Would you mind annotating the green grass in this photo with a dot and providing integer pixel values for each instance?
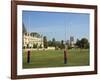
(55, 58)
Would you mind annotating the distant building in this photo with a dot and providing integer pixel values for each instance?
(72, 41)
(68, 42)
(31, 40)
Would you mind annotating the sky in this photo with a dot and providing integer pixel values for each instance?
(58, 25)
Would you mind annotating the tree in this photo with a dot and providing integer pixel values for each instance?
(49, 43)
(24, 29)
(45, 42)
(34, 45)
(62, 46)
(53, 42)
(78, 43)
(40, 46)
(58, 44)
(84, 43)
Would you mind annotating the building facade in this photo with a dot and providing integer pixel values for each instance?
(32, 41)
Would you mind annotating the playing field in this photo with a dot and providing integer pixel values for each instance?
(55, 58)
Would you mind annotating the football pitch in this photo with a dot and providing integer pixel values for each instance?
(55, 58)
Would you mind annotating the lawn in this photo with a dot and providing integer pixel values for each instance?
(55, 58)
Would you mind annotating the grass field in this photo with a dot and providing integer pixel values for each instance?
(55, 58)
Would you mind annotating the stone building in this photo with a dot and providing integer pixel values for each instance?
(32, 40)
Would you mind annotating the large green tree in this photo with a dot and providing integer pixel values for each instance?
(83, 43)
